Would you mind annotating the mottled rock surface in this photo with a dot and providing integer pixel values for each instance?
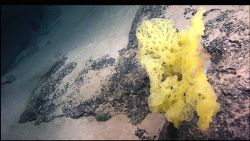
(127, 89)
(226, 39)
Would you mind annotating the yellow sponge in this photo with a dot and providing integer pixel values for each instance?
(175, 64)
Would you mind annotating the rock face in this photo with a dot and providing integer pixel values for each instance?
(41, 104)
(226, 39)
(229, 72)
(52, 99)
(126, 90)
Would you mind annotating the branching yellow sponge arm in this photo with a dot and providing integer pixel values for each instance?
(175, 65)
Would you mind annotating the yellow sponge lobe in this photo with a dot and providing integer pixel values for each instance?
(175, 64)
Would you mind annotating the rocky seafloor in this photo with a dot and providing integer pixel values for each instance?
(126, 90)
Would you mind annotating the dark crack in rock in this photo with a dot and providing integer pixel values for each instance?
(9, 79)
(168, 132)
(210, 11)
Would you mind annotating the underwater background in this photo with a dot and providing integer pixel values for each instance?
(71, 72)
